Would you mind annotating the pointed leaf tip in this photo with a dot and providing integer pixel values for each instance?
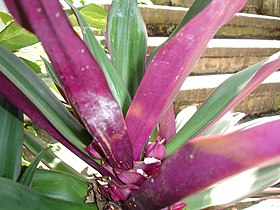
(27, 176)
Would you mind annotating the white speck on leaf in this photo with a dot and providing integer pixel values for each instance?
(152, 180)
(57, 14)
(119, 14)
(190, 37)
(39, 9)
(83, 50)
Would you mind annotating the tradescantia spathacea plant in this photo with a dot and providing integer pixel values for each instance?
(122, 114)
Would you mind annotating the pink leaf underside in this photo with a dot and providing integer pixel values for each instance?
(257, 79)
(82, 78)
(202, 163)
(156, 149)
(167, 126)
(170, 67)
(11, 92)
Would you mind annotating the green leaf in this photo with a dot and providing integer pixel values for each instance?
(14, 37)
(40, 95)
(32, 65)
(235, 188)
(94, 15)
(16, 196)
(60, 185)
(51, 72)
(5, 18)
(35, 145)
(11, 137)
(127, 42)
(27, 176)
(116, 84)
(224, 98)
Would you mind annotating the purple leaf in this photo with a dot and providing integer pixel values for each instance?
(82, 78)
(122, 193)
(207, 160)
(156, 149)
(93, 152)
(170, 67)
(18, 15)
(11, 92)
(131, 176)
(148, 164)
(167, 125)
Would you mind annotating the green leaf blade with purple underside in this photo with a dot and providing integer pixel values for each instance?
(28, 92)
(32, 91)
(24, 104)
(127, 42)
(223, 99)
(114, 80)
(207, 160)
(170, 67)
(82, 78)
